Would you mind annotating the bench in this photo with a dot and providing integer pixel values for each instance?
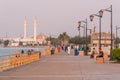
(101, 59)
(81, 53)
(105, 56)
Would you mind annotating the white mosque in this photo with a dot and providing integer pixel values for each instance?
(41, 38)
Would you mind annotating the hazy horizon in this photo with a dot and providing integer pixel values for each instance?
(54, 16)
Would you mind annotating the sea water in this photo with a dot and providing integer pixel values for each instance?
(9, 50)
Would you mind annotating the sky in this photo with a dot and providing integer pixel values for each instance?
(54, 16)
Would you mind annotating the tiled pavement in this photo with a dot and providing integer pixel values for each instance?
(64, 67)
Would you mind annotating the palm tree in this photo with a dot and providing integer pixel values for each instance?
(64, 38)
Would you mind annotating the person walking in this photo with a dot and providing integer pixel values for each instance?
(68, 50)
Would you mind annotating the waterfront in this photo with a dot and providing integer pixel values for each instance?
(64, 67)
(9, 50)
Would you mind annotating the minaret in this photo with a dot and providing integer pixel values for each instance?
(25, 27)
(35, 28)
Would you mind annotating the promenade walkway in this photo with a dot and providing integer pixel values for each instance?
(64, 67)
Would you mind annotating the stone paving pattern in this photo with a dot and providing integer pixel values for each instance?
(64, 67)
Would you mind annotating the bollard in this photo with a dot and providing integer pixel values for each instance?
(0, 66)
(99, 60)
(81, 53)
(105, 56)
(56, 50)
(48, 51)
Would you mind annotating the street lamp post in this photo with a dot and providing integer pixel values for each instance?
(84, 30)
(83, 34)
(100, 16)
(110, 10)
(90, 35)
(79, 24)
(86, 35)
(117, 28)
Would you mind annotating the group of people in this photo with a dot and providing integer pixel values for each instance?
(100, 54)
(28, 51)
(54, 48)
(76, 48)
(67, 49)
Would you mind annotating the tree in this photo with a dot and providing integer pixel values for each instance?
(64, 38)
(116, 54)
(80, 40)
(89, 39)
(6, 42)
(54, 41)
(76, 40)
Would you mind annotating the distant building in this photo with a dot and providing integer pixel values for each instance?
(105, 41)
(40, 39)
(34, 40)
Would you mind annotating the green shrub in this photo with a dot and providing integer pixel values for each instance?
(116, 54)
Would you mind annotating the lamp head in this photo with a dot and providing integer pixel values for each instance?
(79, 22)
(100, 13)
(91, 17)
